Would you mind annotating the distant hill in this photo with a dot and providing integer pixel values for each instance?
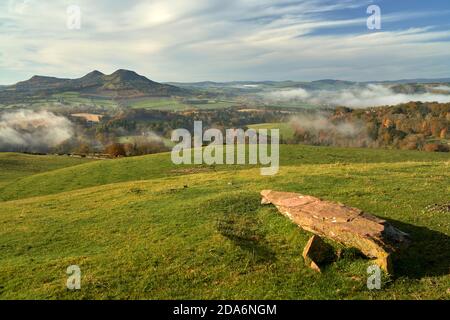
(411, 81)
(253, 88)
(248, 86)
(121, 84)
(126, 85)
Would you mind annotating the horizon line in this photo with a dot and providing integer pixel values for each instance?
(231, 81)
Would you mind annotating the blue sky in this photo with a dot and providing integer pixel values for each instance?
(185, 40)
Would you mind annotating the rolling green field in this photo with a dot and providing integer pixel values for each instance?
(62, 100)
(15, 166)
(173, 104)
(144, 228)
(75, 99)
(158, 104)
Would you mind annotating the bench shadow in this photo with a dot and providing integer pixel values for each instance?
(427, 255)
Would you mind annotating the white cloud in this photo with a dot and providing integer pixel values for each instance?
(442, 88)
(370, 96)
(33, 130)
(183, 40)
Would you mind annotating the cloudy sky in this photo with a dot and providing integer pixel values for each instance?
(195, 40)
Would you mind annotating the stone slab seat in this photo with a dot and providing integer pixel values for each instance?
(374, 237)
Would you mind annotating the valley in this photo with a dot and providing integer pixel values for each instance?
(87, 179)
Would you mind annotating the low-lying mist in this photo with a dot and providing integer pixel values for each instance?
(33, 131)
(372, 95)
(319, 128)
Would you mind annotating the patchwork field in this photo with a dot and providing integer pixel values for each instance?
(144, 228)
(173, 104)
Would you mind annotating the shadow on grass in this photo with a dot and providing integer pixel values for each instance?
(427, 255)
(259, 249)
(244, 232)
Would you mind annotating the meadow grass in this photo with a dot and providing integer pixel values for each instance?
(142, 228)
(18, 165)
(160, 165)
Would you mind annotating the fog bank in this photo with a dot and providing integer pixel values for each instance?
(372, 95)
(33, 131)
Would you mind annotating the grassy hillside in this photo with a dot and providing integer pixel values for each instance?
(143, 228)
(160, 166)
(15, 165)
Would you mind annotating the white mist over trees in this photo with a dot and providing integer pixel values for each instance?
(33, 131)
(372, 95)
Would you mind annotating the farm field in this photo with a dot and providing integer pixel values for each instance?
(172, 104)
(158, 104)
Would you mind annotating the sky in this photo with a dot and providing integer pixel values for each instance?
(217, 40)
